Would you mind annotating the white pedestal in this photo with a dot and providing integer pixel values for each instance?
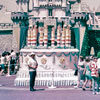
(61, 60)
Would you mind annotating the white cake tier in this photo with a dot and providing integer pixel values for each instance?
(49, 50)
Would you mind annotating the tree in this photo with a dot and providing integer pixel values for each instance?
(85, 51)
(98, 54)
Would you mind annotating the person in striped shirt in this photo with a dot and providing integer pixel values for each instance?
(94, 74)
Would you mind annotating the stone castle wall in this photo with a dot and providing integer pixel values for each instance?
(8, 40)
(5, 42)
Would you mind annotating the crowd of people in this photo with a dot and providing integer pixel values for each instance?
(9, 63)
(89, 72)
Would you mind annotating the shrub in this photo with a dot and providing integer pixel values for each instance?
(98, 54)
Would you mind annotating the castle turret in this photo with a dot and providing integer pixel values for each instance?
(23, 5)
(30, 5)
(63, 3)
(80, 12)
(36, 3)
(20, 22)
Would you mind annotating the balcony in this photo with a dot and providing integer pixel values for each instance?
(94, 27)
(43, 3)
(19, 15)
(79, 15)
(58, 3)
(6, 26)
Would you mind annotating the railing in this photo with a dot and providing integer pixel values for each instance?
(57, 78)
(47, 78)
(42, 3)
(15, 15)
(94, 27)
(7, 26)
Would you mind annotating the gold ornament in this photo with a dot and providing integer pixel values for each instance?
(43, 60)
(62, 60)
(75, 59)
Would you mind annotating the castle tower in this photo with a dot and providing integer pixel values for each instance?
(20, 23)
(30, 5)
(36, 3)
(20, 27)
(23, 5)
(63, 3)
(79, 13)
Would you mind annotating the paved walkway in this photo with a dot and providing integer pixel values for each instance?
(10, 92)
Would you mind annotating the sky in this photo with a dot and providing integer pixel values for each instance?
(93, 3)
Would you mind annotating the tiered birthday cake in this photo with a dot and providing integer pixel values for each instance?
(56, 62)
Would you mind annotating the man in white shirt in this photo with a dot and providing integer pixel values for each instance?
(32, 64)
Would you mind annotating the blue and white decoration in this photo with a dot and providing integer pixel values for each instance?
(54, 67)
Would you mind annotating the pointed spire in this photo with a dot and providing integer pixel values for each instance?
(30, 4)
(98, 9)
(93, 9)
(20, 9)
(79, 7)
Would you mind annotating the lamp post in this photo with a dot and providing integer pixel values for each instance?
(92, 51)
(52, 80)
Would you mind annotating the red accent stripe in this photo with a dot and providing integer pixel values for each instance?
(33, 40)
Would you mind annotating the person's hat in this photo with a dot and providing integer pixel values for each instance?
(91, 57)
(32, 54)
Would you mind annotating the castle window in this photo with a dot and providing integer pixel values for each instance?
(49, 12)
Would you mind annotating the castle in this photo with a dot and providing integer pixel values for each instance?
(15, 19)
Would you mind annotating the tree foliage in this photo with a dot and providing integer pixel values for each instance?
(98, 54)
(91, 39)
(85, 51)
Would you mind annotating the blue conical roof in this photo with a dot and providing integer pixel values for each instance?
(80, 7)
(98, 9)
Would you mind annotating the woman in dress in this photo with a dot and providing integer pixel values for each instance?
(87, 73)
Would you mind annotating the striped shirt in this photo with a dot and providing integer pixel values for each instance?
(94, 69)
